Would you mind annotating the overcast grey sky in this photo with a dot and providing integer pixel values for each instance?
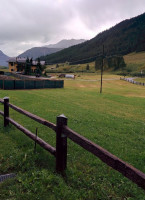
(29, 23)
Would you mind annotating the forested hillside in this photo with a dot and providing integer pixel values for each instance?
(126, 37)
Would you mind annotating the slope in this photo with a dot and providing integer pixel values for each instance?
(66, 43)
(126, 37)
(3, 59)
(36, 52)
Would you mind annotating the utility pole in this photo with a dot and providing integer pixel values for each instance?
(102, 71)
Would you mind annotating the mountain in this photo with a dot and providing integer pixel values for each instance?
(3, 59)
(36, 52)
(126, 37)
(65, 43)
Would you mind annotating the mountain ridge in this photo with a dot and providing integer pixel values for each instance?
(36, 52)
(65, 43)
(125, 37)
(3, 59)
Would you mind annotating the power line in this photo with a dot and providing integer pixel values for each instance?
(102, 70)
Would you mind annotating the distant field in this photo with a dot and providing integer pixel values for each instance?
(64, 67)
(114, 119)
(136, 58)
(4, 69)
(135, 61)
(142, 80)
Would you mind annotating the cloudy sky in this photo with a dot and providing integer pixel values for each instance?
(29, 23)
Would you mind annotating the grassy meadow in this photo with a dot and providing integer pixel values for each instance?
(68, 68)
(142, 80)
(136, 58)
(5, 69)
(114, 120)
(135, 61)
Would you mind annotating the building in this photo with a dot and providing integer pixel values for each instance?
(17, 64)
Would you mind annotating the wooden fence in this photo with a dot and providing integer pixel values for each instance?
(60, 152)
(132, 81)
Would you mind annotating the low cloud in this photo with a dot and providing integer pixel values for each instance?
(25, 24)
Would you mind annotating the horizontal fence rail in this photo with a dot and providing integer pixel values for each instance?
(132, 81)
(60, 152)
(127, 170)
(34, 117)
(38, 140)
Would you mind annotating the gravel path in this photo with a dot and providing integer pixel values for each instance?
(90, 80)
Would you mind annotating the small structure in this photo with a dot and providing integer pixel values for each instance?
(70, 76)
(67, 76)
(17, 64)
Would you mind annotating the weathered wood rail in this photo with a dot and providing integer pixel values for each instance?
(60, 152)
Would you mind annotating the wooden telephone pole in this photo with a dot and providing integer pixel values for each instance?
(102, 66)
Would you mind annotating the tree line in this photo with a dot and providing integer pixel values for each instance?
(29, 64)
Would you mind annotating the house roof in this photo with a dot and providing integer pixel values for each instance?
(23, 60)
(17, 59)
(12, 60)
(35, 62)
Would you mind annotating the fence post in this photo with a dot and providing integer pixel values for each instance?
(61, 145)
(6, 111)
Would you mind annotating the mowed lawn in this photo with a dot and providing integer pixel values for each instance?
(114, 120)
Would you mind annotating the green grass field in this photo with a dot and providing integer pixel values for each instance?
(142, 80)
(114, 120)
(135, 61)
(67, 68)
(4, 69)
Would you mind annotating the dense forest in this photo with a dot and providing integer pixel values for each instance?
(126, 37)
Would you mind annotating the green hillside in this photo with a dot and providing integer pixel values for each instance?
(126, 37)
(135, 61)
(136, 58)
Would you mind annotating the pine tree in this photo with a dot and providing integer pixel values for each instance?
(39, 68)
(98, 63)
(57, 65)
(31, 61)
(122, 64)
(27, 67)
(87, 67)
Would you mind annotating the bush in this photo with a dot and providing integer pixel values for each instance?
(87, 67)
